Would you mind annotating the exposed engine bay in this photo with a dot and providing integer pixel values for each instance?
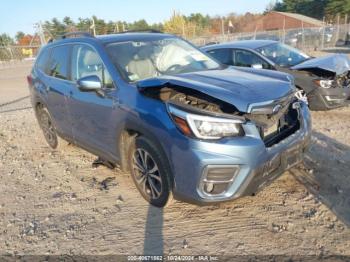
(273, 127)
(343, 80)
(192, 98)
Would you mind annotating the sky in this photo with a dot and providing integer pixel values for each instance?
(20, 15)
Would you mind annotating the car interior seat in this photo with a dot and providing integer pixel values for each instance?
(141, 66)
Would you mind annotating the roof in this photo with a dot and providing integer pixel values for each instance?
(248, 44)
(134, 36)
(120, 37)
(303, 18)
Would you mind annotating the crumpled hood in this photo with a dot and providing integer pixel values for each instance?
(336, 63)
(237, 87)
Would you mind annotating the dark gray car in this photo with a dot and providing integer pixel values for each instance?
(324, 81)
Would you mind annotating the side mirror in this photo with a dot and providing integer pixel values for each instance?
(89, 83)
(257, 66)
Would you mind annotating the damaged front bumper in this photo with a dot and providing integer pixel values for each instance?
(208, 172)
(328, 98)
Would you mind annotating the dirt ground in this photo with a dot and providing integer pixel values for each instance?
(54, 202)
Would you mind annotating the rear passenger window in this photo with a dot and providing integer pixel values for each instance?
(248, 59)
(41, 62)
(58, 66)
(222, 55)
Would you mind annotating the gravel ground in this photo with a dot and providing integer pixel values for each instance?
(54, 202)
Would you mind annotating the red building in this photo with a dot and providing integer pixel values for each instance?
(282, 20)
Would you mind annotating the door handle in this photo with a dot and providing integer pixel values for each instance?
(115, 102)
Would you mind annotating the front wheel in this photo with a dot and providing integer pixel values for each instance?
(150, 172)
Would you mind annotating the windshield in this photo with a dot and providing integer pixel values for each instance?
(137, 60)
(282, 54)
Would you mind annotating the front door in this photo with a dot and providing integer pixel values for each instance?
(92, 111)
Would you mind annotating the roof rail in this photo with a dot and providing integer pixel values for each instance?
(141, 31)
(71, 35)
(76, 34)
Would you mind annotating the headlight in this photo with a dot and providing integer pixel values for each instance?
(324, 83)
(205, 127)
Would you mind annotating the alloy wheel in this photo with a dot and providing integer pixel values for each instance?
(147, 174)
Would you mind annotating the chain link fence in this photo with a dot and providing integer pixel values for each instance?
(302, 38)
(17, 55)
(316, 38)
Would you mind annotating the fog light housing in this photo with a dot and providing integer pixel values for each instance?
(208, 187)
(217, 179)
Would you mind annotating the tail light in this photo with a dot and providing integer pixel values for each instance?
(30, 80)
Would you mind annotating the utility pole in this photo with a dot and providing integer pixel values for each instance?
(93, 27)
(222, 26)
(284, 29)
(303, 35)
(116, 28)
(338, 27)
(323, 33)
(183, 29)
(40, 32)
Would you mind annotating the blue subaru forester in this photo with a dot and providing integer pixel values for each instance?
(181, 123)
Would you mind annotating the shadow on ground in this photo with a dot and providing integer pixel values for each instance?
(153, 243)
(327, 174)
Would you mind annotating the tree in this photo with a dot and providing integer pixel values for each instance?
(67, 21)
(26, 40)
(19, 36)
(335, 7)
(55, 27)
(83, 24)
(312, 8)
(6, 40)
(100, 26)
(178, 25)
(139, 25)
(199, 19)
(69, 24)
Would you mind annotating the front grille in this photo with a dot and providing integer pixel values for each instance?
(287, 125)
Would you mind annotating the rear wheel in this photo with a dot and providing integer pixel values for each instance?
(46, 125)
(150, 172)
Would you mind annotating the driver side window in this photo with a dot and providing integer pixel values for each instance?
(87, 62)
(248, 59)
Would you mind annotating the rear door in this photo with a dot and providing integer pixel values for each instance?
(58, 88)
(92, 111)
(223, 55)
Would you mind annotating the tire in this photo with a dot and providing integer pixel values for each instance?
(150, 172)
(46, 125)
